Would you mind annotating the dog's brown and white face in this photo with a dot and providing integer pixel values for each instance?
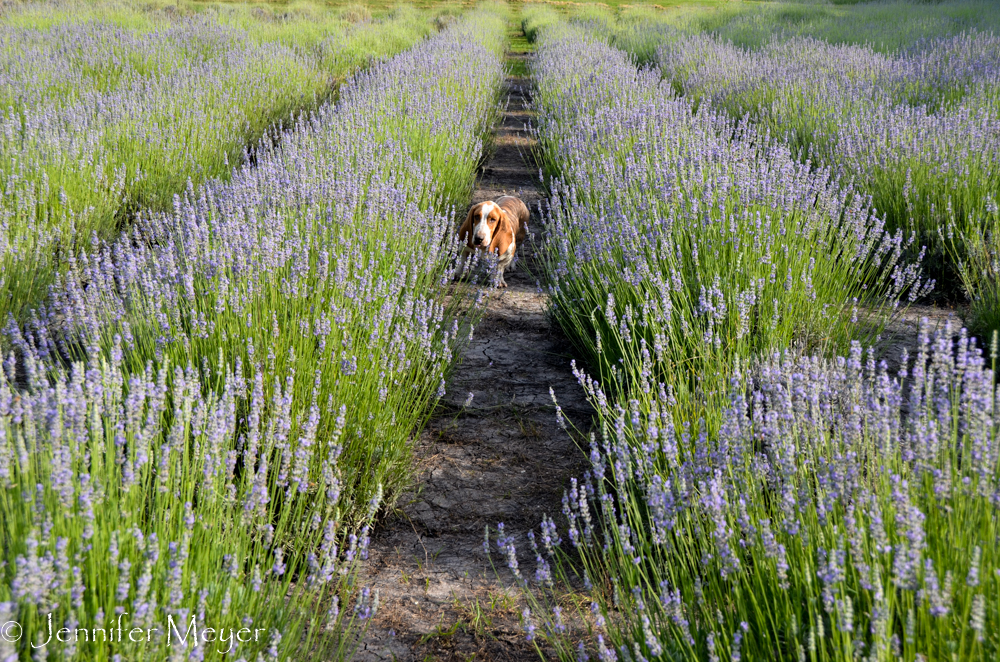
(482, 225)
(494, 229)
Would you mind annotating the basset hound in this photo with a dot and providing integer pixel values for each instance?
(496, 227)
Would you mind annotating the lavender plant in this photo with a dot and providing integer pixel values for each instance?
(537, 16)
(978, 262)
(839, 513)
(886, 26)
(691, 238)
(327, 260)
(915, 129)
(243, 378)
(101, 120)
(822, 509)
(141, 520)
(361, 44)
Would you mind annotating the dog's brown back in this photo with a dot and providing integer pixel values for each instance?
(518, 213)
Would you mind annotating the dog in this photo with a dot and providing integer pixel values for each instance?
(496, 227)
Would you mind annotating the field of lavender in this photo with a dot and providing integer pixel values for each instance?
(729, 230)
(109, 112)
(915, 128)
(219, 350)
(242, 368)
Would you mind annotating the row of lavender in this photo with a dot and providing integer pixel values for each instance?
(917, 129)
(809, 509)
(246, 374)
(695, 235)
(99, 120)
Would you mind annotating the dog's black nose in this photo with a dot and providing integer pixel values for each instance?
(477, 241)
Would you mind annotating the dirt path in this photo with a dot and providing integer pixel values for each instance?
(903, 332)
(503, 459)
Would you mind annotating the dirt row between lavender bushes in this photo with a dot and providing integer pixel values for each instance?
(501, 459)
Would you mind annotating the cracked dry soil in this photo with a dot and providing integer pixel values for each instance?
(502, 459)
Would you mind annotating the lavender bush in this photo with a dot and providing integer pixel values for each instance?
(361, 44)
(100, 120)
(821, 509)
(886, 26)
(326, 260)
(244, 376)
(537, 16)
(977, 255)
(691, 238)
(916, 129)
(838, 513)
(134, 501)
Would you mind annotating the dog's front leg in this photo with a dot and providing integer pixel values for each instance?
(502, 264)
(500, 281)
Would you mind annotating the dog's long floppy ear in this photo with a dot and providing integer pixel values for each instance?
(465, 232)
(503, 236)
